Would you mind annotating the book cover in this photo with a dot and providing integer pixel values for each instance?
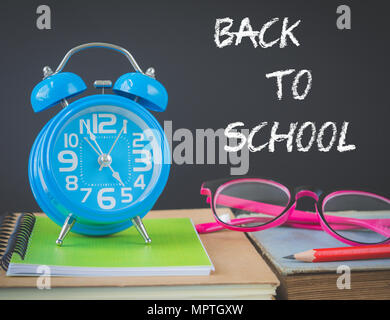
(176, 250)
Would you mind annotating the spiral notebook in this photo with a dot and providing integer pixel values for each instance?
(28, 242)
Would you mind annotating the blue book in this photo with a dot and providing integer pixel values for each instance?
(304, 280)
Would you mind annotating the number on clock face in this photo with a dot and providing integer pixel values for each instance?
(104, 160)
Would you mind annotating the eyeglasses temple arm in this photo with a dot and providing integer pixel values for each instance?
(296, 216)
(215, 226)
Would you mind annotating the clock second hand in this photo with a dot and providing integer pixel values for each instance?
(116, 140)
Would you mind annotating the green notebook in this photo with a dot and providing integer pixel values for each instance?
(175, 250)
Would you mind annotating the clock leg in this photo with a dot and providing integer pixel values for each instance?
(141, 228)
(68, 224)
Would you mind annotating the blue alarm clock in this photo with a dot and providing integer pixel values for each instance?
(100, 164)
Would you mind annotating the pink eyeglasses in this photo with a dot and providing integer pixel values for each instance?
(254, 204)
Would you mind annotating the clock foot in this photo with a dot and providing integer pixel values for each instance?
(141, 228)
(68, 224)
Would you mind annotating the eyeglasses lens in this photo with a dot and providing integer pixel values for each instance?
(250, 203)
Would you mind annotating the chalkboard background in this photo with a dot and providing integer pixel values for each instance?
(209, 87)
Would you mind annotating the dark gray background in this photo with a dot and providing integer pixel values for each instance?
(209, 87)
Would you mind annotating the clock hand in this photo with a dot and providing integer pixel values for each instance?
(115, 174)
(116, 140)
(93, 138)
(97, 152)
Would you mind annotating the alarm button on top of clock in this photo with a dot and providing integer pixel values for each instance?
(102, 84)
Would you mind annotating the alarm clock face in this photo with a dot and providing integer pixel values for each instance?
(105, 158)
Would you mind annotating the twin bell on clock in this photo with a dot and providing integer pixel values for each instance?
(99, 165)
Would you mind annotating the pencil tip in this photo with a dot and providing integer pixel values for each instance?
(289, 257)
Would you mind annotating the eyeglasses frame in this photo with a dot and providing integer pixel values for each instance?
(211, 188)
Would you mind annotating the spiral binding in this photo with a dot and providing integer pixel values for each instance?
(15, 232)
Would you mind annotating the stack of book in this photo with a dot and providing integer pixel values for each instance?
(369, 279)
(176, 265)
(179, 264)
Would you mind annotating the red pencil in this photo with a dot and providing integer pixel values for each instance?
(377, 251)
